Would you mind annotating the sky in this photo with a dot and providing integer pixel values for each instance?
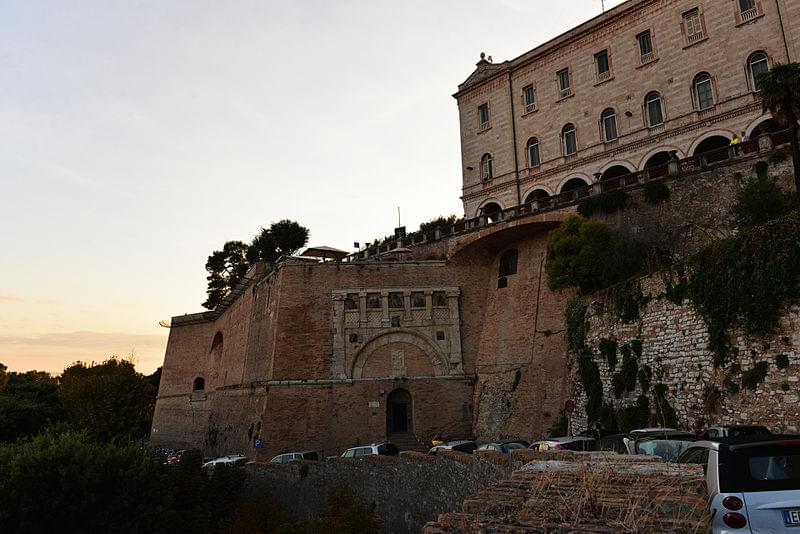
(138, 136)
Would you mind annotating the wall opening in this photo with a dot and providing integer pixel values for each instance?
(199, 384)
(398, 412)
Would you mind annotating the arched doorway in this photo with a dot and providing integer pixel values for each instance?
(715, 148)
(491, 211)
(398, 412)
(611, 177)
(657, 164)
(574, 188)
(769, 126)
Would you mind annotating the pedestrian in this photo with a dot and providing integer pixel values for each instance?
(735, 144)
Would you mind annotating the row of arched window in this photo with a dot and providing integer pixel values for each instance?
(653, 110)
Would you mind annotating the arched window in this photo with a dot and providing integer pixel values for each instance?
(533, 152)
(216, 345)
(609, 121)
(508, 262)
(703, 91)
(199, 384)
(655, 112)
(487, 167)
(758, 65)
(569, 139)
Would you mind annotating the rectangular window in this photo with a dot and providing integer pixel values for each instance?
(533, 155)
(374, 301)
(529, 98)
(483, 116)
(396, 301)
(645, 46)
(603, 66)
(746, 5)
(610, 126)
(563, 83)
(705, 94)
(351, 302)
(417, 299)
(570, 142)
(693, 25)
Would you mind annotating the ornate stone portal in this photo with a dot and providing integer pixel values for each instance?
(396, 332)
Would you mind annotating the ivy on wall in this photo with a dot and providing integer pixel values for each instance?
(609, 202)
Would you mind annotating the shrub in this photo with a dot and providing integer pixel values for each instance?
(656, 192)
(665, 413)
(609, 202)
(592, 385)
(635, 416)
(782, 361)
(586, 254)
(608, 348)
(761, 200)
(625, 380)
(575, 318)
(753, 377)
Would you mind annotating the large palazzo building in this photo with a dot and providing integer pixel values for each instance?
(617, 94)
(456, 333)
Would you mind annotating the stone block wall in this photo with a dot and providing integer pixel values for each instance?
(406, 491)
(675, 347)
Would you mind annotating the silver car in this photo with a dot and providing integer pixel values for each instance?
(753, 482)
(376, 449)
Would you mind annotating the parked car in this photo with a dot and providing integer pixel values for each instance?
(574, 443)
(174, 457)
(667, 443)
(383, 449)
(289, 457)
(460, 445)
(598, 433)
(231, 459)
(753, 482)
(715, 432)
(504, 446)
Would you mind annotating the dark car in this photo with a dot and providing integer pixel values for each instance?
(505, 446)
(599, 433)
(733, 431)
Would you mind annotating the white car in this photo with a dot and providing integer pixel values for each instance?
(231, 459)
(383, 449)
(753, 482)
(291, 457)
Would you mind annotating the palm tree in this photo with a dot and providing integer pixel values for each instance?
(780, 93)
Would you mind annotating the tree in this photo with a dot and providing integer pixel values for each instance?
(761, 200)
(282, 238)
(3, 376)
(28, 403)
(780, 95)
(225, 268)
(111, 401)
(585, 253)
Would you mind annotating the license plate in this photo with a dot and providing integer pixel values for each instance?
(791, 517)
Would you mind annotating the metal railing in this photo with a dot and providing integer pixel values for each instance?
(750, 14)
(674, 169)
(648, 57)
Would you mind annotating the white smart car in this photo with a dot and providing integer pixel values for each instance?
(753, 482)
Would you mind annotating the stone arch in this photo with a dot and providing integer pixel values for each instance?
(655, 151)
(199, 384)
(217, 343)
(536, 193)
(438, 360)
(566, 182)
(708, 135)
(617, 163)
(762, 120)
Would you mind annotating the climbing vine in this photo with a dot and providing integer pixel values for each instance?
(626, 300)
(747, 280)
(609, 202)
(608, 349)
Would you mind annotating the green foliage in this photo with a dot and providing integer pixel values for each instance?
(608, 349)
(753, 377)
(584, 253)
(665, 413)
(625, 379)
(636, 416)
(676, 284)
(782, 361)
(28, 403)
(590, 378)
(747, 280)
(609, 202)
(69, 482)
(3, 376)
(577, 326)
(761, 200)
(228, 266)
(712, 396)
(433, 224)
(111, 401)
(780, 94)
(225, 268)
(636, 347)
(656, 192)
(560, 427)
(626, 300)
(645, 378)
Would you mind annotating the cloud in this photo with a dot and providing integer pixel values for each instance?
(86, 339)
(10, 297)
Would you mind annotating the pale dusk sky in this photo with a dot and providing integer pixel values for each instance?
(137, 136)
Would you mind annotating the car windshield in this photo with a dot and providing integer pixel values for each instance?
(668, 449)
(764, 468)
(515, 445)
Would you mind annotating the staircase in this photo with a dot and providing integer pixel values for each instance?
(407, 441)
